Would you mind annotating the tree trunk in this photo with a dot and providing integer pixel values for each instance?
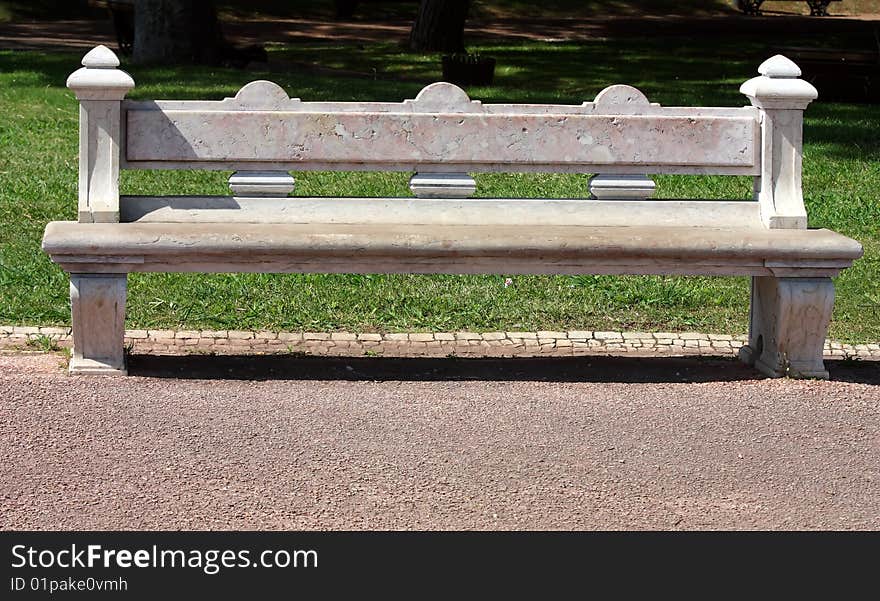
(439, 26)
(176, 31)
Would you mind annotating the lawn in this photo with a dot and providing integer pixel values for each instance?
(38, 164)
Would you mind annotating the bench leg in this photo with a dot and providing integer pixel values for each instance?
(97, 304)
(788, 324)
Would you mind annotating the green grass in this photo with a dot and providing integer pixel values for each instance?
(38, 164)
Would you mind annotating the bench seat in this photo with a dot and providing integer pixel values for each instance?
(420, 248)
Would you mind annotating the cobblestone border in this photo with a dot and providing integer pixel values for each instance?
(497, 344)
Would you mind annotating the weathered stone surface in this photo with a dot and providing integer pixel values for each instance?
(522, 335)
(608, 335)
(693, 336)
(468, 336)
(636, 336)
(100, 88)
(343, 248)
(410, 141)
(239, 335)
(551, 334)
(442, 126)
(98, 316)
(782, 97)
(161, 334)
(307, 336)
(789, 321)
(215, 334)
(50, 331)
(343, 336)
(370, 337)
(439, 211)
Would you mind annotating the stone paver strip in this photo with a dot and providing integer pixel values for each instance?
(580, 335)
(472, 344)
(693, 336)
(239, 335)
(55, 331)
(211, 334)
(160, 334)
(343, 336)
(467, 336)
(607, 335)
(550, 334)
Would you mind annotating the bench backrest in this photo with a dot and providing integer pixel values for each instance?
(443, 135)
(441, 129)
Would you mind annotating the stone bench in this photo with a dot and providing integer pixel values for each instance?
(442, 136)
(818, 8)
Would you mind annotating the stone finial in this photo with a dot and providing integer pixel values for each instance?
(779, 86)
(779, 67)
(99, 78)
(100, 57)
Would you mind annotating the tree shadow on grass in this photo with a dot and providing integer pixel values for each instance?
(437, 369)
(848, 131)
(37, 70)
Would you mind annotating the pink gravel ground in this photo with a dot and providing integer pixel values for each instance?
(366, 443)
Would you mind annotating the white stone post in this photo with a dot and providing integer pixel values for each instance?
(100, 87)
(97, 301)
(97, 304)
(789, 317)
(788, 324)
(782, 98)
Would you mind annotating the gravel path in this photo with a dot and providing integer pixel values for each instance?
(82, 34)
(346, 443)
